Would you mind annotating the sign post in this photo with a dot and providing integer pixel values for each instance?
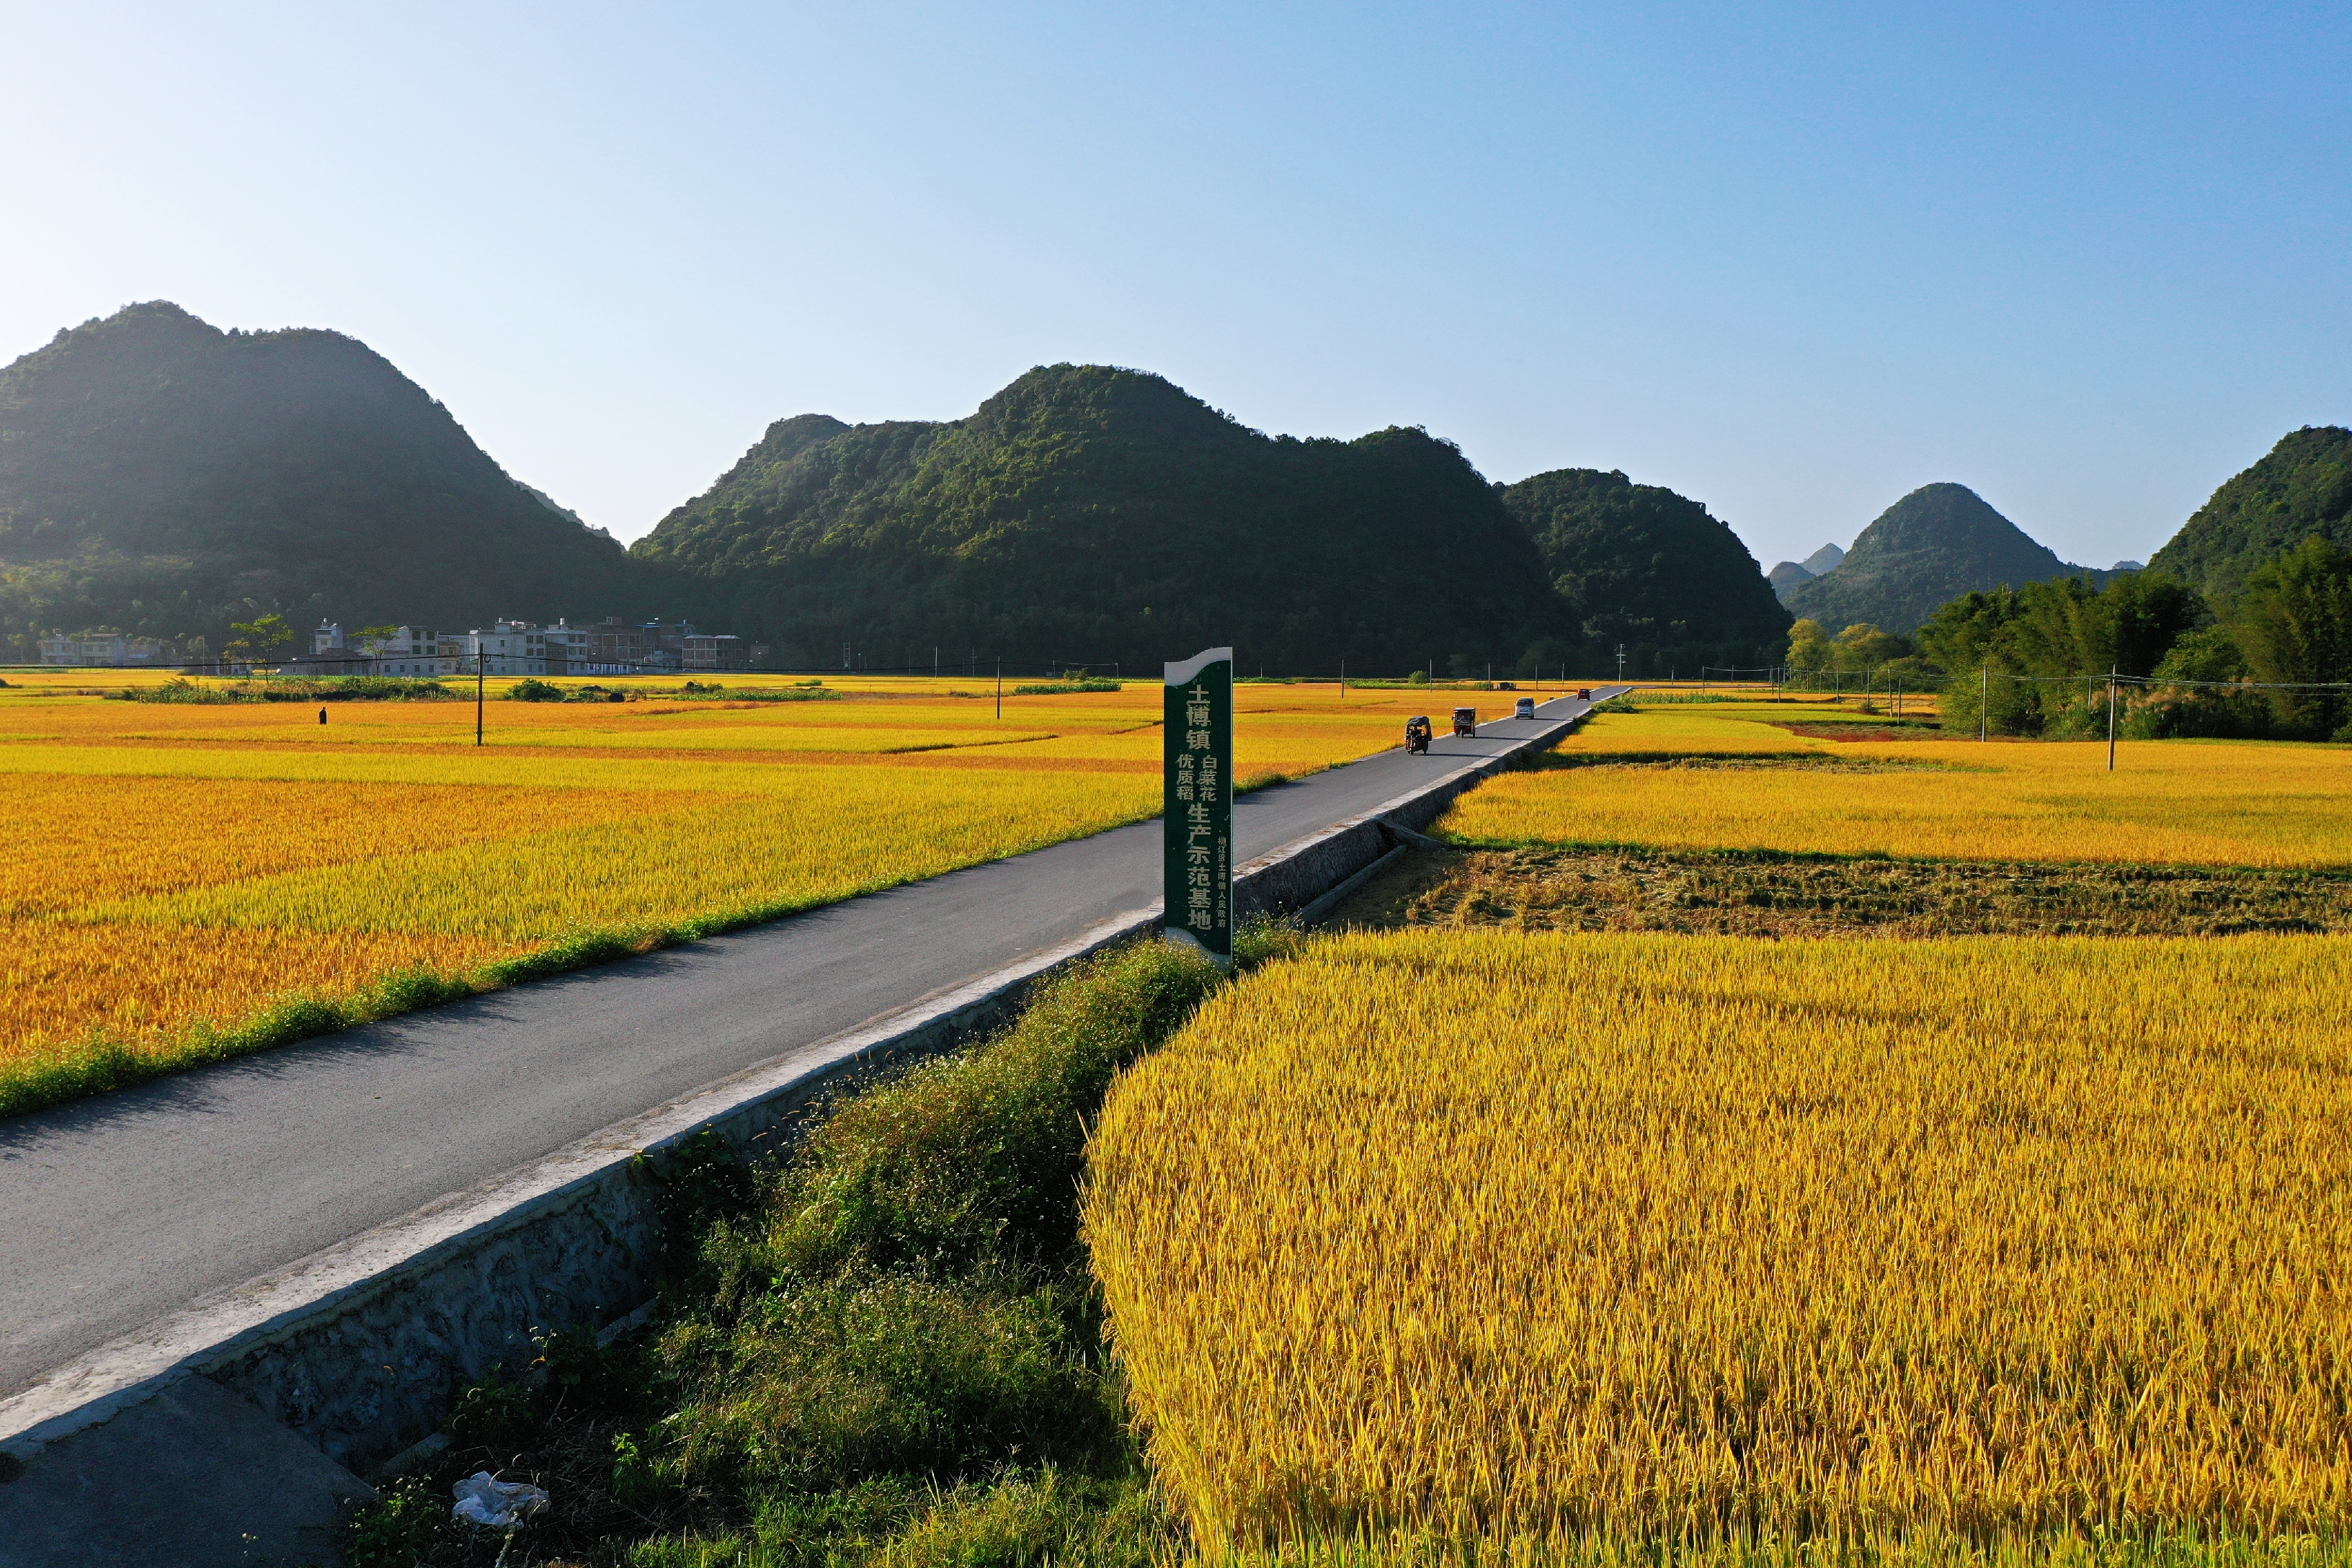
(1199, 822)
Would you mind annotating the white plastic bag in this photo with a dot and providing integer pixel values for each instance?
(501, 1505)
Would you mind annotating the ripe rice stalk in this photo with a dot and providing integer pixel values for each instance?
(1624, 1241)
(2171, 803)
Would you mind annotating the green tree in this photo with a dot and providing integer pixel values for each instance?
(1865, 646)
(2039, 656)
(2201, 690)
(2066, 627)
(257, 641)
(2294, 623)
(1809, 646)
(1968, 633)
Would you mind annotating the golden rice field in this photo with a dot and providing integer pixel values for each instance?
(177, 871)
(2218, 803)
(1654, 1242)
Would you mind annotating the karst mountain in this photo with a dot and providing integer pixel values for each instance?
(1937, 542)
(1649, 568)
(1106, 516)
(2302, 486)
(165, 477)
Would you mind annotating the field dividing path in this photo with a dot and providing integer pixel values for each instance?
(117, 1210)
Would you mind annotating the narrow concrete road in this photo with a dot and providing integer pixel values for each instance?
(117, 1210)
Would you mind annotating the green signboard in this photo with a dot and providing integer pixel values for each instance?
(1200, 819)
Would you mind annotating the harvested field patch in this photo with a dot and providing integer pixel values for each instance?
(1761, 894)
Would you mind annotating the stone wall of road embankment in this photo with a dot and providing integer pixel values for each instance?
(361, 1348)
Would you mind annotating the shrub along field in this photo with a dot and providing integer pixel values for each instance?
(1607, 1246)
(190, 879)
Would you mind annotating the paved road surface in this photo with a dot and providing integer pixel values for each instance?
(117, 1210)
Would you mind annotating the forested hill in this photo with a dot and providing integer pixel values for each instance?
(1096, 515)
(1650, 568)
(164, 477)
(1934, 544)
(2303, 487)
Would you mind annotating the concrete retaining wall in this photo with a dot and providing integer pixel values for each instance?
(361, 1348)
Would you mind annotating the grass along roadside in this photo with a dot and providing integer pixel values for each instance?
(885, 1348)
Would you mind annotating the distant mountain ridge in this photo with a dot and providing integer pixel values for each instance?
(1934, 544)
(1087, 512)
(165, 476)
(162, 476)
(1786, 575)
(2302, 486)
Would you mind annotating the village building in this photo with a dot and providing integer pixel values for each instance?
(512, 647)
(88, 647)
(405, 651)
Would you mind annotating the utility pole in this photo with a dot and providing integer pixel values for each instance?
(2111, 718)
(479, 682)
(1620, 664)
(999, 691)
(1984, 695)
(1343, 680)
(935, 662)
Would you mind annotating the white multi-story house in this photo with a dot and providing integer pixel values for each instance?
(519, 647)
(411, 651)
(408, 651)
(508, 647)
(715, 650)
(103, 647)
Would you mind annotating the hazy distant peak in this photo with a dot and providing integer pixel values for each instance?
(1823, 560)
(1937, 542)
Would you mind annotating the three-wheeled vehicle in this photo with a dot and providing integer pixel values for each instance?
(1416, 733)
(1465, 720)
(1524, 708)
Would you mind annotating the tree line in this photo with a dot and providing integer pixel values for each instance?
(2033, 661)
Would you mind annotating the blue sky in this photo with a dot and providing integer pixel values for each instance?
(2089, 261)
